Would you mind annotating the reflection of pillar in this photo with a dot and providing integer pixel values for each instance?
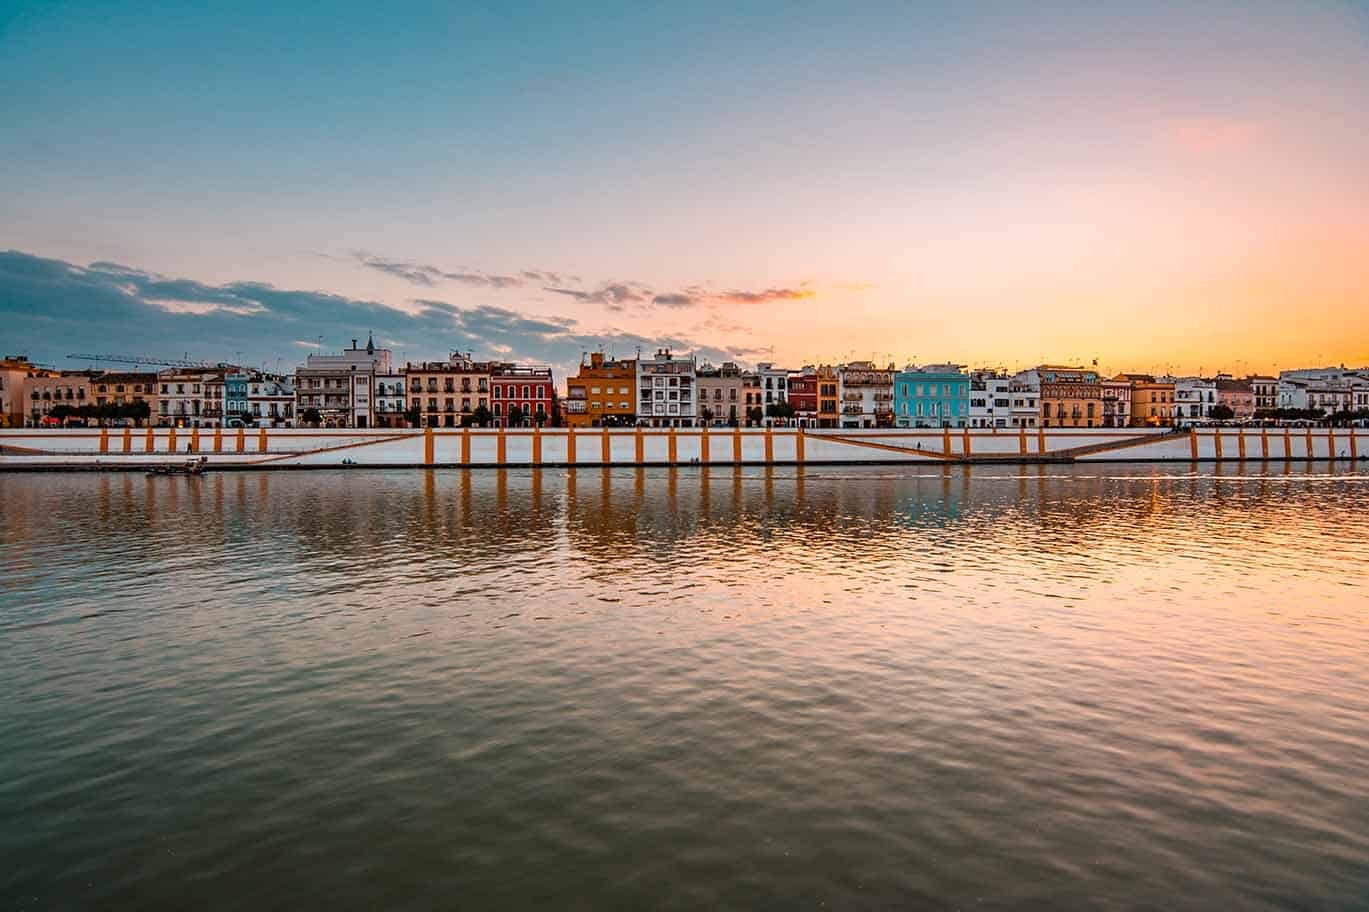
(605, 493)
(501, 492)
(263, 488)
(217, 482)
(672, 489)
(737, 488)
(639, 487)
(429, 495)
(535, 490)
(465, 498)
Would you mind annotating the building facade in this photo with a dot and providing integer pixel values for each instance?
(867, 395)
(1266, 391)
(1116, 402)
(667, 390)
(14, 402)
(1152, 401)
(991, 396)
(1070, 396)
(520, 396)
(124, 389)
(270, 401)
(829, 396)
(450, 393)
(49, 389)
(1237, 395)
(339, 387)
(721, 395)
(932, 396)
(802, 386)
(191, 397)
(603, 392)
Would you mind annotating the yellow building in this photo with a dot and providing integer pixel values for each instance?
(604, 392)
(14, 374)
(1071, 397)
(829, 396)
(1152, 401)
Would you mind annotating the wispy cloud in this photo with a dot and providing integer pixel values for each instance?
(429, 276)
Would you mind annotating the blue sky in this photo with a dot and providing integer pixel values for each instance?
(818, 180)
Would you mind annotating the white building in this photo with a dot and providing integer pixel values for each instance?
(271, 400)
(1116, 402)
(667, 390)
(190, 398)
(339, 387)
(867, 394)
(1327, 389)
(388, 397)
(774, 384)
(1194, 399)
(991, 395)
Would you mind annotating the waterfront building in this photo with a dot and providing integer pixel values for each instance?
(1152, 401)
(667, 390)
(1070, 396)
(390, 400)
(1327, 389)
(339, 386)
(829, 396)
(449, 393)
(991, 399)
(603, 392)
(932, 396)
(720, 392)
(124, 388)
(1237, 395)
(191, 397)
(867, 395)
(270, 400)
(48, 389)
(802, 388)
(1194, 399)
(1266, 390)
(773, 383)
(520, 395)
(1116, 402)
(14, 374)
(235, 405)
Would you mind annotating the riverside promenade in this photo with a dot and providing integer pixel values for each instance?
(260, 448)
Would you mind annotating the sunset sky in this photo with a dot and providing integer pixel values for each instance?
(1163, 187)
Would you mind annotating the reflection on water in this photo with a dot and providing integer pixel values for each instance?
(1097, 686)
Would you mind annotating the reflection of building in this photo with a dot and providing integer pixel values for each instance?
(666, 390)
(721, 400)
(603, 392)
(867, 395)
(932, 396)
(520, 396)
(339, 387)
(1070, 396)
(448, 393)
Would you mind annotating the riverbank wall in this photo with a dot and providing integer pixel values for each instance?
(133, 448)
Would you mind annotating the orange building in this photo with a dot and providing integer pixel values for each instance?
(604, 392)
(829, 396)
(1152, 401)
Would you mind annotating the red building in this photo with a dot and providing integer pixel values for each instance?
(527, 389)
(803, 396)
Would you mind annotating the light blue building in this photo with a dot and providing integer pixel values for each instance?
(934, 396)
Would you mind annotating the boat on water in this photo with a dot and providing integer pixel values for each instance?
(190, 467)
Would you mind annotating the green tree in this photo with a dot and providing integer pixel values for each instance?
(413, 416)
(311, 417)
(515, 416)
(783, 411)
(705, 414)
(1221, 412)
(139, 411)
(755, 415)
(481, 416)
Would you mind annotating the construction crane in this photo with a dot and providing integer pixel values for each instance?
(137, 360)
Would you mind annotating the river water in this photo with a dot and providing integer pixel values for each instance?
(1093, 687)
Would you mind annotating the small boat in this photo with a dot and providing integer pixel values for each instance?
(191, 467)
